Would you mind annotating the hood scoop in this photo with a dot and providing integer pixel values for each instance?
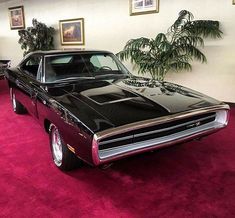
(108, 95)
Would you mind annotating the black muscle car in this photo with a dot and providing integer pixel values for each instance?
(96, 111)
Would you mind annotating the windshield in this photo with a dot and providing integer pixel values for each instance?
(82, 66)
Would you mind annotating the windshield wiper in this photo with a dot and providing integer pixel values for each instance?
(110, 74)
(74, 79)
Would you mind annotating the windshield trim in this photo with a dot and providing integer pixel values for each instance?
(73, 79)
(121, 67)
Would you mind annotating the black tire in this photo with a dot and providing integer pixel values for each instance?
(17, 107)
(63, 158)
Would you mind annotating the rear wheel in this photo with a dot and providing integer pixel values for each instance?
(62, 156)
(18, 108)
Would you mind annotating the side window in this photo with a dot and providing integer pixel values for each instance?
(32, 66)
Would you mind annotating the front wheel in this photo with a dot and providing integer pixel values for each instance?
(62, 156)
(18, 108)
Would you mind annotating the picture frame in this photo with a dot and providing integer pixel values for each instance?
(138, 7)
(72, 31)
(16, 17)
(233, 2)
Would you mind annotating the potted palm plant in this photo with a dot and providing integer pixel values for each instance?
(37, 37)
(173, 50)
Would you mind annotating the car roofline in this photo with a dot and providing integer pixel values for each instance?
(62, 52)
(66, 51)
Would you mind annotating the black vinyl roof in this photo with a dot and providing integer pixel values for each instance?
(67, 51)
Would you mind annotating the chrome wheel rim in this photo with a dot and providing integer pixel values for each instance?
(56, 147)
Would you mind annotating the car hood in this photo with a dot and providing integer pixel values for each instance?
(103, 104)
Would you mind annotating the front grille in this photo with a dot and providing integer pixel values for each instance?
(156, 132)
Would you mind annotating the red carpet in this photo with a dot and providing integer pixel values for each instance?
(195, 179)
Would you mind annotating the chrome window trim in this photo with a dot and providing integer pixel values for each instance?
(40, 68)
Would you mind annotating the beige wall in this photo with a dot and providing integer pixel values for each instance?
(108, 26)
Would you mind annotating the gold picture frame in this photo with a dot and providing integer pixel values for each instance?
(16, 16)
(72, 31)
(138, 7)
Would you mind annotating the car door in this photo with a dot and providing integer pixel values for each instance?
(26, 83)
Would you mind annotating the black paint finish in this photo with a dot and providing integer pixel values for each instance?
(81, 108)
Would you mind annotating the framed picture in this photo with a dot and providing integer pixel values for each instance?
(16, 16)
(233, 2)
(138, 7)
(72, 32)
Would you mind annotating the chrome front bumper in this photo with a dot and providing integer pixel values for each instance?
(111, 154)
